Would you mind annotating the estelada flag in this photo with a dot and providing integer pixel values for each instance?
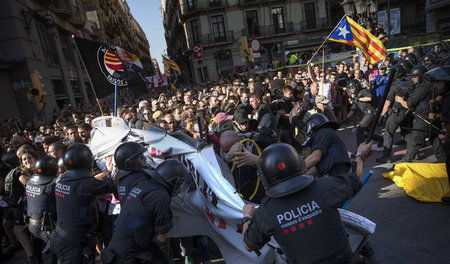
(170, 64)
(107, 64)
(351, 33)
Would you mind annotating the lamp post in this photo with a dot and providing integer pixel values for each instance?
(363, 11)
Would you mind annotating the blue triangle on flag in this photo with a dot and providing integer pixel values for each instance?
(343, 31)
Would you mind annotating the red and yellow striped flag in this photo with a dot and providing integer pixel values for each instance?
(351, 33)
(170, 64)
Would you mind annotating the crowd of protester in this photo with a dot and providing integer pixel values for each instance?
(268, 107)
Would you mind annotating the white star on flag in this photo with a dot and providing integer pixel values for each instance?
(343, 31)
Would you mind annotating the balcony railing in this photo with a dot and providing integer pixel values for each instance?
(186, 9)
(270, 30)
(62, 7)
(318, 24)
(78, 18)
(210, 39)
(256, 1)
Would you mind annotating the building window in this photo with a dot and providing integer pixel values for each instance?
(310, 15)
(224, 62)
(252, 23)
(420, 14)
(214, 3)
(59, 90)
(66, 46)
(195, 28)
(190, 4)
(76, 89)
(218, 28)
(47, 42)
(278, 19)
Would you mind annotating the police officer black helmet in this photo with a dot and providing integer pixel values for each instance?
(439, 74)
(412, 58)
(282, 170)
(445, 61)
(46, 166)
(400, 71)
(316, 121)
(78, 157)
(408, 65)
(61, 167)
(354, 84)
(442, 46)
(173, 176)
(419, 71)
(429, 59)
(125, 153)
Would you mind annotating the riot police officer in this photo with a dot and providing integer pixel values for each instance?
(399, 116)
(146, 218)
(418, 104)
(41, 204)
(430, 60)
(300, 211)
(129, 160)
(75, 206)
(440, 77)
(412, 58)
(329, 155)
(362, 101)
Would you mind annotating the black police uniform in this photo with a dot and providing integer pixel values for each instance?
(335, 158)
(146, 213)
(368, 111)
(75, 203)
(399, 116)
(265, 118)
(40, 192)
(306, 224)
(418, 102)
(125, 181)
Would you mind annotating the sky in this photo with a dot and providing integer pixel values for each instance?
(147, 13)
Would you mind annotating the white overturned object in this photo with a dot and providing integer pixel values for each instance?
(214, 209)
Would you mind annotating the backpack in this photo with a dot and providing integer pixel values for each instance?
(9, 180)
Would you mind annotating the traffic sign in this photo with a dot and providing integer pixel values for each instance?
(255, 44)
(198, 51)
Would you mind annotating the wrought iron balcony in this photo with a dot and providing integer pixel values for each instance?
(78, 18)
(312, 25)
(214, 38)
(194, 6)
(62, 8)
(270, 30)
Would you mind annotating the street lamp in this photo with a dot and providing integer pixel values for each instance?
(361, 7)
(349, 9)
(373, 6)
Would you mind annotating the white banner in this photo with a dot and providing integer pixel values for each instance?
(214, 209)
(395, 20)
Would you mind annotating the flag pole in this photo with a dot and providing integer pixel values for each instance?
(115, 97)
(323, 60)
(325, 40)
(88, 75)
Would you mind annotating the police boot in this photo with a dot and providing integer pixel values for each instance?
(386, 158)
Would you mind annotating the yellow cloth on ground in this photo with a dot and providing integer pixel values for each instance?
(426, 182)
